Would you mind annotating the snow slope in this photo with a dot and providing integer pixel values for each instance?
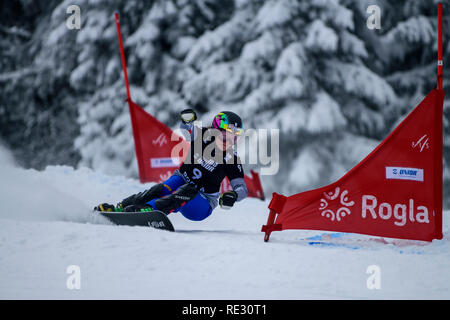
(46, 225)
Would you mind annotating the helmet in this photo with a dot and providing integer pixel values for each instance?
(228, 121)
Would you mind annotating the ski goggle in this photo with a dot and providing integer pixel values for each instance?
(221, 122)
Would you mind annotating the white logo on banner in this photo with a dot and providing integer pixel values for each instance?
(164, 162)
(422, 143)
(343, 200)
(402, 173)
(161, 140)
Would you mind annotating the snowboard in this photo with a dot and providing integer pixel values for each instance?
(155, 219)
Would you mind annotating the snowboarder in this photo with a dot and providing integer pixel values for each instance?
(194, 188)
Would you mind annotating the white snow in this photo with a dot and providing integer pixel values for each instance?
(46, 226)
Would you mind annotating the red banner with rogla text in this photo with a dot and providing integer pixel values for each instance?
(396, 191)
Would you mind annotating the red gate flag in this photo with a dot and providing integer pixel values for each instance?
(154, 142)
(396, 191)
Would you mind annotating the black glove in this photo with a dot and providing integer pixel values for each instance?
(187, 116)
(227, 199)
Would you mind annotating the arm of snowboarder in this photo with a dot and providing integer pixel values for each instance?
(239, 189)
(235, 174)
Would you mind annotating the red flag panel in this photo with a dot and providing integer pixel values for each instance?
(154, 142)
(396, 191)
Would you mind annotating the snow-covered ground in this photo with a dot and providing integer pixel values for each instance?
(46, 225)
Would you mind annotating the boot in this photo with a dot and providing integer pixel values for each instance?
(175, 200)
(141, 198)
